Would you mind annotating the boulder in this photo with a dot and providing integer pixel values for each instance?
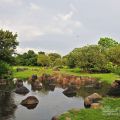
(50, 87)
(30, 102)
(21, 90)
(55, 118)
(70, 91)
(96, 106)
(36, 85)
(19, 83)
(94, 98)
(34, 77)
(115, 89)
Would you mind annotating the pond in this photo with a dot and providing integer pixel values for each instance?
(51, 103)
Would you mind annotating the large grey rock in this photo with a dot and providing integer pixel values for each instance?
(21, 90)
(70, 91)
(30, 102)
(36, 85)
(19, 83)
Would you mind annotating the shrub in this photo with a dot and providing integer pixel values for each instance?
(5, 70)
(117, 70)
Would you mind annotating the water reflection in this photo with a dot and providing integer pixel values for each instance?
(52, 102)
(7, 106)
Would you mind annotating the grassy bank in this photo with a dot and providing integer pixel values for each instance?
(31, 70)
(108, 77)
(110, 111)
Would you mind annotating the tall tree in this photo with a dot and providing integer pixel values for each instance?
(8, 43)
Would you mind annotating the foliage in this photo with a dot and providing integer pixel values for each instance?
(53, 57)
(117, 70)
(107, 42)
(5, 70)
(27, 59)
(88, 58)
(113, 54)
(43, 60)
(58, 62)
(8, 45)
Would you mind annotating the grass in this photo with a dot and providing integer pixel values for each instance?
(108, 77)
(31, 70)
(110, 111)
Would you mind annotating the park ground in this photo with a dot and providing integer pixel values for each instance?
(107, 77)
(111, 106)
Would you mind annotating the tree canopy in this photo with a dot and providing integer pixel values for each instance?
(8, 44)
(107, 42)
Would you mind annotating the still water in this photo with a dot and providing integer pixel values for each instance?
(51, 103)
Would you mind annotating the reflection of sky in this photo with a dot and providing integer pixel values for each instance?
(60, 25)
(50, 104)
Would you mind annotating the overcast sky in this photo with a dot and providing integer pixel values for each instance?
(60, 25)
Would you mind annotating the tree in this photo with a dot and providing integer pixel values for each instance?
(27, 59)
(107, 42)
(113, 55)
(41, 52)
(8, 45)
(89, 58)
(53, 57)
(43, 60)
(58, 62)
(71, 59)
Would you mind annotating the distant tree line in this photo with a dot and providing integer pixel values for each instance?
(42, 59)
(103, 57)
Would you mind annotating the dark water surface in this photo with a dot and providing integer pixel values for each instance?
(51, 103)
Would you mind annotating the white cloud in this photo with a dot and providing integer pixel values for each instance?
(64, 24)
(28, 29)
(34, 6)
(13, 2)
(65, 17)
(25, 30)
(73, 8)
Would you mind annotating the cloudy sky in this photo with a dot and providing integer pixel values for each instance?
(60, 25)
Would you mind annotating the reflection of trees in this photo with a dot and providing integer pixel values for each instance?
(86, 91)
(7, 106)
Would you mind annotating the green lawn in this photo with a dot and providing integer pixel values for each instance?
(110, 111)
(31, 70)
(108, 77)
